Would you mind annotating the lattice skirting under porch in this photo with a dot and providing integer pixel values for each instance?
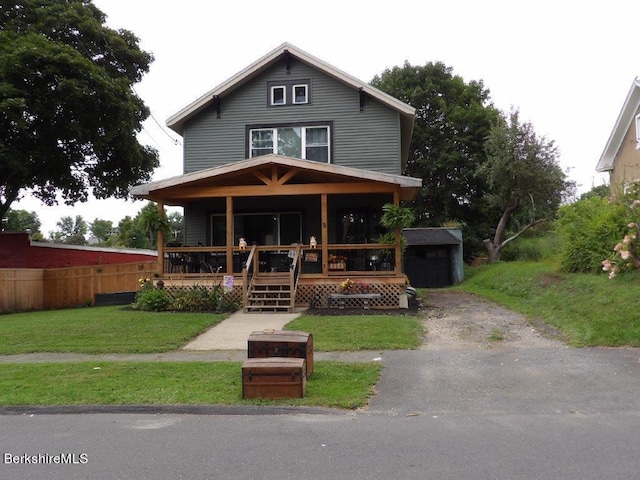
(317, 294)
(309, 294)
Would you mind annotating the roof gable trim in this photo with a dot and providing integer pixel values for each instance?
(624, 121)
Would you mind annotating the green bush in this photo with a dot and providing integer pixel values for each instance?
(589, 229)
(532, 249)
(196, 299)
(152, 300)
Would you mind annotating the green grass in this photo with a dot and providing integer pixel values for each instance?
(590, 309)
(333, 384)
(100, 330)
(361, 332)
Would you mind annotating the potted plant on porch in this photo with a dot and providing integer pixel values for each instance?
(394, 217)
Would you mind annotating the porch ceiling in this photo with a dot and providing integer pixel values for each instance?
(271, 175)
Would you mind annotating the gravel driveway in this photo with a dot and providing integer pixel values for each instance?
(463, 321)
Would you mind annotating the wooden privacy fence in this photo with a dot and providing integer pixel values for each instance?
(36, 289)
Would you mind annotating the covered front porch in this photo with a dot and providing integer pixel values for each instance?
(293, 229)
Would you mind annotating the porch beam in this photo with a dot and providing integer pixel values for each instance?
(288, 176)
(269, 190)
(261, 177)
(229, 235)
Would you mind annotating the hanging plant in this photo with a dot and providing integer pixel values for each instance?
(396, 216)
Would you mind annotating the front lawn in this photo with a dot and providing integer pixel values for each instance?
(95, 330)
(333, 384)
(361, 332)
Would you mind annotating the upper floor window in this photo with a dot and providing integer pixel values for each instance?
(637, 132)
(290, 92)
(278, 95)
(300, 94)
(306, 142)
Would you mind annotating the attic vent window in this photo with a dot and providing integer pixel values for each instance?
(289, 92)
(278, 95)
(300, 94)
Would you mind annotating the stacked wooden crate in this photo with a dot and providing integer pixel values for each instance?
(278, 365)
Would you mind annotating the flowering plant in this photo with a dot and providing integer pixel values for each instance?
(627, 253)
(145, 283)
(337, 258)
(349, 287)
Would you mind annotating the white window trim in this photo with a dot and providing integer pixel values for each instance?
(284, 94)
(638, 132)
(306, 93)
(303, 134)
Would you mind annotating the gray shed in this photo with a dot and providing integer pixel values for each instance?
(433, 257)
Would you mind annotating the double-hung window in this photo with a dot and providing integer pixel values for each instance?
(306, 142)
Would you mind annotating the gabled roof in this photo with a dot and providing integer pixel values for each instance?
(430, 236)
(177, 120)
(625, 118)
(257, 172)
(407, 112)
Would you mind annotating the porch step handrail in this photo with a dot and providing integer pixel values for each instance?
(294, 274)
(248, 276)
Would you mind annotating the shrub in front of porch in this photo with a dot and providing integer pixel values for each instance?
(193, 299)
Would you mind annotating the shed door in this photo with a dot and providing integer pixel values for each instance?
(428, 266)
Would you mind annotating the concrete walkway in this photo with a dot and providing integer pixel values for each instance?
(232, 333)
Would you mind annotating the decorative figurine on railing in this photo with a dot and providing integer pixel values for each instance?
(242, 244)
(313, 243)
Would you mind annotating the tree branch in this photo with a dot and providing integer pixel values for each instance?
(524, 229)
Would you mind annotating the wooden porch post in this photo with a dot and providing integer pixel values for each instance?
(398, 240)
(160, 240)
(229, 235)
(324, 234)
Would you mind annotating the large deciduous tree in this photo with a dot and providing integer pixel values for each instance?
(71, 231)
(453, 119)
(68, 113)
(21, 221)
(524, 180)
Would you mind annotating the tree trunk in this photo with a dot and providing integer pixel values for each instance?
(495, 247)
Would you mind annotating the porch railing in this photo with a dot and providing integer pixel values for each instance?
(294, 273)
(248, 274)
(341, 259)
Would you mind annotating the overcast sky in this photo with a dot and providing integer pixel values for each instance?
(567, 65)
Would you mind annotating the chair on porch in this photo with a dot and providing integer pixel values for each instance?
(176, 263)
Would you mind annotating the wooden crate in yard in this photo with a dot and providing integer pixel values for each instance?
(274, 378)
(282, 343)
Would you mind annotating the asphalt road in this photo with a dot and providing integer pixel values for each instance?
(535, 413)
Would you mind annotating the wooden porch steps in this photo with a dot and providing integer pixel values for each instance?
(269, 293)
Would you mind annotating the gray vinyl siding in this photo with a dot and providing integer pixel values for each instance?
(368, 139)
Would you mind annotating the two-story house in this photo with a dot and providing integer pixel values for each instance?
(621, 155)
(286, 168)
